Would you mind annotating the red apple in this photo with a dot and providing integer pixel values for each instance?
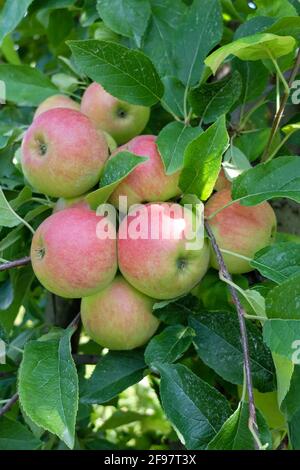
(240, 229)
(63, 153)
(148, 182)
(69, 258)
(120, 119)
(56, 101)
(155, 253)
(119, 317)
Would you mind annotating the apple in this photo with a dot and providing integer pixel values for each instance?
(63, 153)
(155, 253)
(222, 182)
(120, 119)
(56, 101)
(119, 317)
(240, 229)
(148, 182)
(69, 257)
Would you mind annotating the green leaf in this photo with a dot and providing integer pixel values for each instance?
(277, 178)
(278, 262)
(284, 372)
(126, 17)
(170, 345)
(125, 73)
(291, 404)
(218, 344)
(276, 8)
(172, 142)
(11, 15)
(256, 47)
(121, 418)
(195, 409)
(211, 100)
(173, 98)
(202, 160)
(200, 31)
(6, 295)
(115, 372)
(235, 163)
(282, 336)
(116, 169)
(235, 433)
(26, 86)
(48, 386)
(254, 79)
(15, 436)
(8, 217)
(283, 301)
(288, 26)
(176, 311)
(245, 142)
(162, 34)
(60, 25)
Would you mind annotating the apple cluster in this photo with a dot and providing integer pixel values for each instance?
(119, 277)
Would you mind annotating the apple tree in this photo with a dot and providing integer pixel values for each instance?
(163, 102)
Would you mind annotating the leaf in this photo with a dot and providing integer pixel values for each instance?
(8, 217)
(288, 26)
(25, 85)
(291, 404)
(126, 17)
(278, 262)
(211, 100)
(48, 386)
(218, 344)
(173, 98)
(235, 433)
(235, 163)
(255, 47)
(276, 8)
(15, 436)
(170, 345)
(125, 73)
(245, 143)
(195, 409)
(60, 25)
(116, 169)
(254, 77)
(162, 33)
(176, 311)
(283, 301)
(200, 31)
(6, 295)
(121, 418)
(258, 24)
(11, 15)
(202, 160)
(282, 336)
(114, 373)
(284, 371)
(278, 178)
(172, 142)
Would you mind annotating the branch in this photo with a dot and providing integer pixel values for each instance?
(241, 316)
(9, 404)
(279, 115)
(75, 322)
(15, 264)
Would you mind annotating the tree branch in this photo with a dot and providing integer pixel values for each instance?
(81, 359)
(9, 404)
(15, 264)
(241, 316)
(279, 115)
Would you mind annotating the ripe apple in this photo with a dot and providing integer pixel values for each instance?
(56, 101)
(154, 250)
(63, 153)
(119, 317)
(68, 256)
(240, 229)
(148, 182)
(222, 182)
(120, 119)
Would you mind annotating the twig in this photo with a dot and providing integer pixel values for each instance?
(75, 322)
(15, 264)
(9, 404)
(241, 316)
(279, 115)
(81, 359)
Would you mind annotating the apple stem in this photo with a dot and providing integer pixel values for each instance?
(15, 264)
(252, 424)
